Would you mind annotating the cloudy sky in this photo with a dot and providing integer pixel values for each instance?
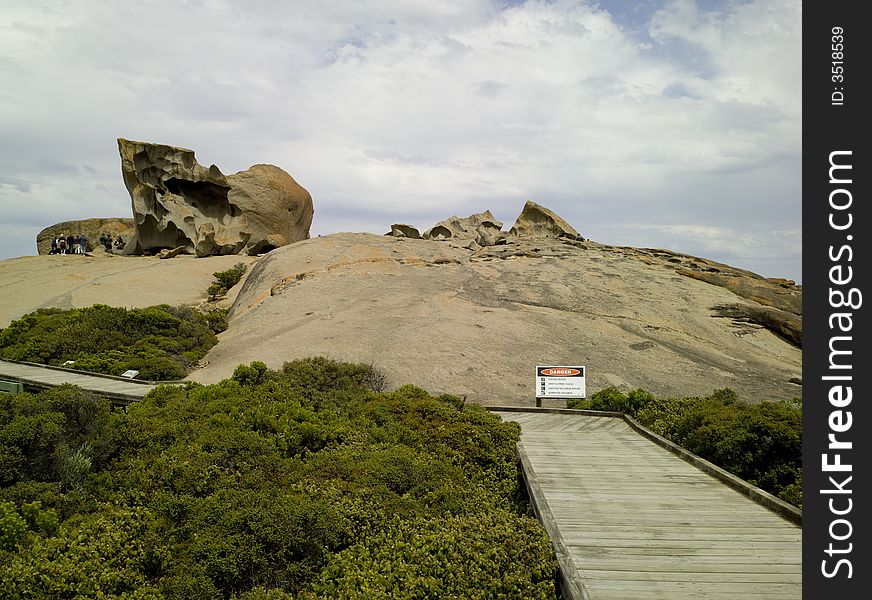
(664, 123)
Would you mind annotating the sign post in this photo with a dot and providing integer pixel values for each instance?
(565, 382)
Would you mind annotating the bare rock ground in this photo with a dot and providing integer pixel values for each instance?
(473, 323)
(438, 315)
(72, 281)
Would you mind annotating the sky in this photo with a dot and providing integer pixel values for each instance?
(659, 123)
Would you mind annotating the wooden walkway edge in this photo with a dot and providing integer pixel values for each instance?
(36, 377)
(631, 515)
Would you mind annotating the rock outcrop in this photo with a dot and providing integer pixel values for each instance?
(403, 230)
(775, 304)
(472, 227)
(278, 209)
(481, 230)
(178, 202)
(537, 221)
(451, 317)
(92, 228)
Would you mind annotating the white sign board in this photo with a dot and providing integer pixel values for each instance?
(560, 382)
(131, 373)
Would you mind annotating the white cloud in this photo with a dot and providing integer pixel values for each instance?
(412, 111)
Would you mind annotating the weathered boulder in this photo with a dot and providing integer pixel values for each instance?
(178, 202)
(278, 209)
(537, 221)
(92, 228)
(170, 253)
(469, 228)
(403, 230)
(492, 237)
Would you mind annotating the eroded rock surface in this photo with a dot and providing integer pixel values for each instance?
(477, 321)
(474, 227)
(179, 202)
(537, 221)
(403, 230)
(278, 209)
(773, 303)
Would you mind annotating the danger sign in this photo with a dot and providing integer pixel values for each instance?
(560, 382)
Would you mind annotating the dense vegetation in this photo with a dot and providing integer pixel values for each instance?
(224, 280)
(299, 483)
(761, 443)
(161, 342)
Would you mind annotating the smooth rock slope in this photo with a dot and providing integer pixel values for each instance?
(477, 322)
(31, 282)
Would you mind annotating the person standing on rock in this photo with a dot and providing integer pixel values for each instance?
(54, 246)
(107, 242)
(71, 244)
(83, 243)
(62, 244)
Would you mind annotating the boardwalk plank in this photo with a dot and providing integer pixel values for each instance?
(637, 521)
(41, 377)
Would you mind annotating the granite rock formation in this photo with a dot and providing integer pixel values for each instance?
(537, 221)
(471, 228)
(452, 317)
(403, 230)
(92, 228)
(178, 202)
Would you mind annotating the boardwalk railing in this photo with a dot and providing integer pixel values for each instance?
(627, 525)
(760, 496)
(36, 377)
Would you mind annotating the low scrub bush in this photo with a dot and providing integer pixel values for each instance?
(161, 342)
(440, 557)
(224, 280)
(299, 483)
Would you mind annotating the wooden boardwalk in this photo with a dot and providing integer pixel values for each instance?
(633, 520)
(37, 377)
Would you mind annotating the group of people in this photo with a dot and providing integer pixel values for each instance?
(78, 244)
(69, 244)
(107, 242)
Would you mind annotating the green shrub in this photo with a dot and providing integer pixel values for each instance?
(612, 399)
(216, 319)
(320, 374)
(761, 443)
(73, 467)
(224, 280)
(161, 342)
(271, 484)
(107, 555)
(250, 374)
(13, 527)
(39, 519)
(475, 556)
